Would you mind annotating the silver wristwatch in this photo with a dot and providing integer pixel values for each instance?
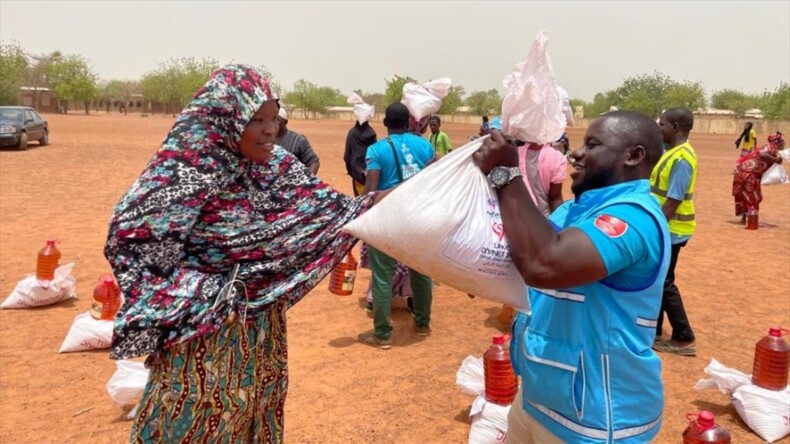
(500, 176)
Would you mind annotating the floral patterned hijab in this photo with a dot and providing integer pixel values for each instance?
(199, 209)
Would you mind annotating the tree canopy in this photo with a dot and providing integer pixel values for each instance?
(174, 82)
(72, 79)
(13, 65)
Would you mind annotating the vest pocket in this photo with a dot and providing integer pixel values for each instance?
(554, 374)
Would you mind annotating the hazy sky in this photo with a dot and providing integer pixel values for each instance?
(350, 45)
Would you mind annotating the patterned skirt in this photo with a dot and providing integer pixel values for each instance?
(228, 387)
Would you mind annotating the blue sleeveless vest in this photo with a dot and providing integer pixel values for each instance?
(584, 355)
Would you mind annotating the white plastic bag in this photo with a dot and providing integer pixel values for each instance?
(565, 103)
(127, 383)
(29, 292)
(454, 231)
(87, 333)
(426, 99)
(362, 111)
(764, 411)
(785, 153)
(489, 422)
(775, 175)
(532, 109)
(470, 377)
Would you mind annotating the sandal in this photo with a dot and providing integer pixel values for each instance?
(670, 347)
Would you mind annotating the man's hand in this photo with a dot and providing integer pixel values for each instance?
(496, 151)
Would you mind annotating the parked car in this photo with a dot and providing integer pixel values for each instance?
(21, 124)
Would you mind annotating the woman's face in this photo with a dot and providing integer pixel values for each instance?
(258, 138)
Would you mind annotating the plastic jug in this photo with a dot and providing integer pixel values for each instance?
(771, 361)
(752, 220)
(501, 384)
(341, 282)
(106, 299)
(48, 260)
(704, 430)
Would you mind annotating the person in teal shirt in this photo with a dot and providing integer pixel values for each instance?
(595, 271)
(390, 162)
(439, 141)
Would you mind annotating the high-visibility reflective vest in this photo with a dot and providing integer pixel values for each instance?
(683, 222)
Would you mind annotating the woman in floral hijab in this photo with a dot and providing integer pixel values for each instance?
(221, 233)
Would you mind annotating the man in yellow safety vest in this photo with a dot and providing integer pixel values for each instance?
(672, 183)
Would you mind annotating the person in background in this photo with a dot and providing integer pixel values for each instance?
(221, 233)
(595, 270)
(672, 183)
(543, 170)
(439, 140)
(746, 187)
(359, 138)
(391, 162)
(747, 140)
(484, 128)
(296, 144)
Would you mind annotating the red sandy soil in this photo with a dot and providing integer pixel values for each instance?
(735, 284)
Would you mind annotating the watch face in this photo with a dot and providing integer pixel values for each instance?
(499, 176)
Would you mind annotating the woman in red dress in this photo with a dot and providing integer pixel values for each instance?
(749, 171)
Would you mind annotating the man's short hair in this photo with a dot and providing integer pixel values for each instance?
(436, 118)
(638, 129)
(681, 116)
(396, 116)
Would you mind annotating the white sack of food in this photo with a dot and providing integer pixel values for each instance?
(426, 99)
(362, 111)
(30, 292)
(445, 223)
(470, 377)
(489, 422)
(87, 333)
(775, 175)
(764, 411)
(532, 108)
(126, 385)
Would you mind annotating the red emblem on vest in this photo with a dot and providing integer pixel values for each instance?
(611, 226)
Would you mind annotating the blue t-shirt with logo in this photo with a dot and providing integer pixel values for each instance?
(413, 153)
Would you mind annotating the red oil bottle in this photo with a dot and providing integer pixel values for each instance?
(341, 282)
(752, 219)
(501, 384)
(704, 430)
(771, 361)
(48, 260)
(106, 299)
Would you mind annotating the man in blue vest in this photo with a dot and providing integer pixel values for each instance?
(595, 271)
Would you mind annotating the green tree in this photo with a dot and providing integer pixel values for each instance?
(394, 89)
(314, 99)
(174, 82)
(690, 95)
(38, 73)
(730, 99)
(649, 93)
(378, 100)
(777, 106)
(13, 64)
(453, 100)
(120, 92)
(483, 103)
(72, 79)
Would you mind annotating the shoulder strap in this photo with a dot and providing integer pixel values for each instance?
(397, 161)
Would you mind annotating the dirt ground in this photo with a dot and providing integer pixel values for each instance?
(735, 284)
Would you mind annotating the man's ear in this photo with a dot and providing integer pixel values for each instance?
(635, 156)
(384, 122)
